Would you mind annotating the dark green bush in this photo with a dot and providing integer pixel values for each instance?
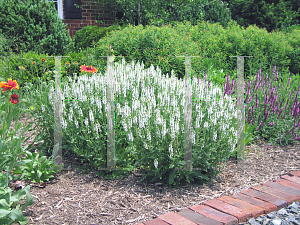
(86, 36)
(36, 25)
(3, 44)
(193, 11)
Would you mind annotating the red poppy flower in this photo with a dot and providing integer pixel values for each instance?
(12, 84)
(14, 99)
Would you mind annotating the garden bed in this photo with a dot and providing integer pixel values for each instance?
(77, 198)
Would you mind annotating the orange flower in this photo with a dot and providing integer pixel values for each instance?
(75, 63)
(12, 84)
(33, 63)
(89, 69)
(67, 64)
(14, 99)
(43, 59)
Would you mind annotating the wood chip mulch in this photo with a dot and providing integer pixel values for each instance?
(77, 198)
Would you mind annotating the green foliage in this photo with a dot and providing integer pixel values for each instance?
(150, 45)
(215, 45)
(164, 12)
(269, 14)
(3, 44)
(10, 212)
(21, 67)
(88, 35)
(36, 25)
(266, 48)
(213, 11)
(36, 169)
(28, 67)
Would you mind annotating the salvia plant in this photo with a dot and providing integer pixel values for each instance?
(146, 104)
(274, 115)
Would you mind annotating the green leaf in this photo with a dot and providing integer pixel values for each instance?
(172, 176)
(4, 212)
(4, 203)
(39, 174)
(16, 215)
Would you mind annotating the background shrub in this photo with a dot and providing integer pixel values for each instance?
(89, 34)
(36, 25)
(159, 46)
(150, 45)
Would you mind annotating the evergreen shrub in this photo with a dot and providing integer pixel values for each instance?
(34, 25)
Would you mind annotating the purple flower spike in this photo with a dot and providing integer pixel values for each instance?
(227, 78)
(279, 113)
(274, 69)
(289, 81)
(287, 103)
(256, 101)
(281, 102)
(284, 115)
(250, 99)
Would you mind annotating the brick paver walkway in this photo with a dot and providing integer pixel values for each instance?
(238, 208)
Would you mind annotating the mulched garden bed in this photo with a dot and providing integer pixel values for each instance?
(77, 198)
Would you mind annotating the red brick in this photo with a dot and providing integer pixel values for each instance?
(241, 215)
(280, 203)
(295, 173)
(294, 179)
(156, 221)
(215, 214)
(288, 184)
(197, 217)
(175, 219)
(267, 206)
(254, 210)
(283, 188)
(287, 197)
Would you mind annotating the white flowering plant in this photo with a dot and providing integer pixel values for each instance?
(149, 124)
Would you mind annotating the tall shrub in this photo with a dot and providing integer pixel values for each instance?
(34, 25)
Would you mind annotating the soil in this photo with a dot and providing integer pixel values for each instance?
(77, 198)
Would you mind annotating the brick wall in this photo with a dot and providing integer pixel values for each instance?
(87, 12)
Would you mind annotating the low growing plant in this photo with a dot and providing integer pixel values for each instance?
(10, 151)
(10, 212)
(35, 168)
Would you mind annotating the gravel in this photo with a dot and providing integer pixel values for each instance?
(284, 216)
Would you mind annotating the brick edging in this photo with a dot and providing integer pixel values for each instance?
(238, 208)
